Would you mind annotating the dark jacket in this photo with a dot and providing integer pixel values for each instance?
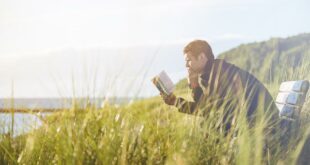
(224, 85)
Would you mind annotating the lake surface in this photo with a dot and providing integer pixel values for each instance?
(25, 122)
(22, 123)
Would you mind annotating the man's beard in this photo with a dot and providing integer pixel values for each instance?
(192, 79)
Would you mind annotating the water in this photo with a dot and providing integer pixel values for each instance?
(24, 122)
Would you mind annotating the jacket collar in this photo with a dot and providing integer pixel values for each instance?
(204, 76)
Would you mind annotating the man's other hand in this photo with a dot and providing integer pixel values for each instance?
(168, 99)
(192, 80)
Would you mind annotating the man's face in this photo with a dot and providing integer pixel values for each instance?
(195, 64)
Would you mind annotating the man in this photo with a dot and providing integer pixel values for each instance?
(216, 84)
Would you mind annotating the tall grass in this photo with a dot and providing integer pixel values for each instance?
(145, 132)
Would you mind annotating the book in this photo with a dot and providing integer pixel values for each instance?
(163, 83)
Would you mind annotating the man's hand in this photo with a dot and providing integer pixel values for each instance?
(193, 80)
(170, 99)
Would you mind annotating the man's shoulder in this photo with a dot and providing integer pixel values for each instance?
(230, 68)
(222, 62)
(225, 66)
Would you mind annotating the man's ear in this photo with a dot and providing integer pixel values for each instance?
(201, 56)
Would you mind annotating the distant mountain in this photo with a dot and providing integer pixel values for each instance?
(121, 72)
(275, 60)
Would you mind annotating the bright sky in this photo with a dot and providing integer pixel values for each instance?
(33, 28)
(39, 25)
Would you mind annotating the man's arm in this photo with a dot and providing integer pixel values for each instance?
(185, 106)
(189, 106)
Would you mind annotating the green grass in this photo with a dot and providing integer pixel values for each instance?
(145, 132)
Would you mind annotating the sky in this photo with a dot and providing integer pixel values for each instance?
(42, 40)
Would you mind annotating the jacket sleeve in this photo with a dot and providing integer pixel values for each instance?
(185, 106)
(189, 107)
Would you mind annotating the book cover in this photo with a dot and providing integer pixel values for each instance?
(163, 83)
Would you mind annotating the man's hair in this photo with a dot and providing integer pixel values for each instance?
(197, 46)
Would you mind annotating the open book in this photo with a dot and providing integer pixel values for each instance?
(163, 83)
